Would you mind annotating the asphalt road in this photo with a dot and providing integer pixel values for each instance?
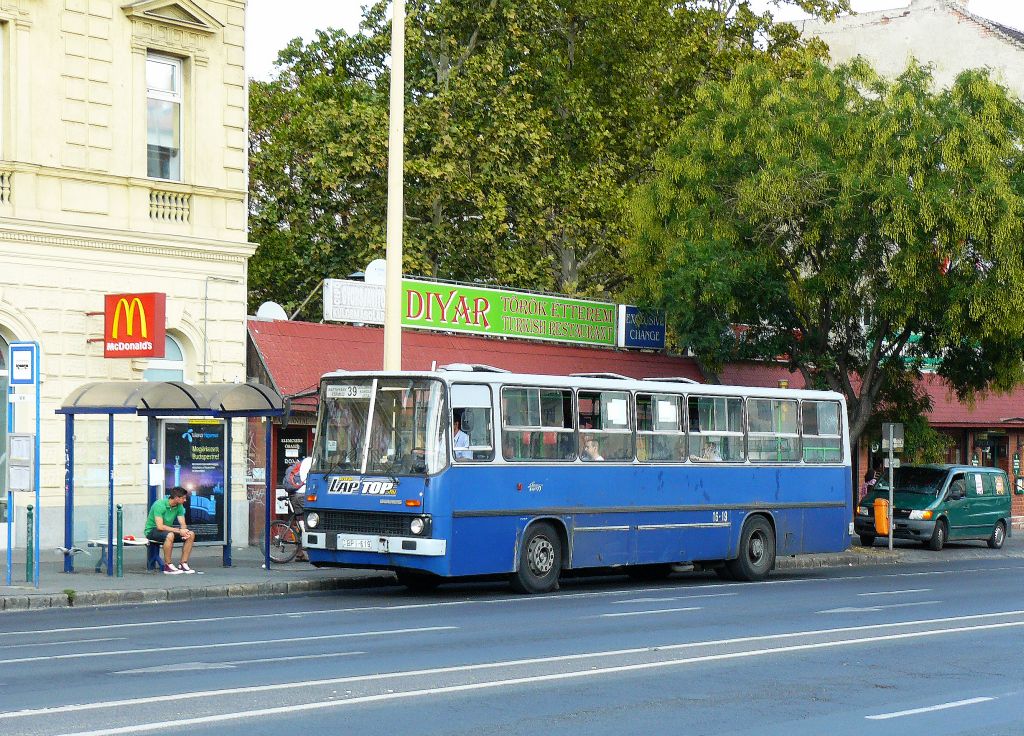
(921, 649)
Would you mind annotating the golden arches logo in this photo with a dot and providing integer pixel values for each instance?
(123, 305)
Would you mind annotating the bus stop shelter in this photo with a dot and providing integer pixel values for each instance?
(161, 400)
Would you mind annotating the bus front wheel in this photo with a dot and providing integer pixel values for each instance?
(540, 560)
(757, 551)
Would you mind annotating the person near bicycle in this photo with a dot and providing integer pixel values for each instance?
(295, 484)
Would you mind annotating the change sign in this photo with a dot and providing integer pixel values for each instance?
(498, 313)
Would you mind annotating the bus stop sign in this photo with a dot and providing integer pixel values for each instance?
(895, 430)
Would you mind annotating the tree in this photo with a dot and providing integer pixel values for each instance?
(854, 225)
(527, 123)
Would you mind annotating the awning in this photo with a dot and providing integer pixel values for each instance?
(173, 398)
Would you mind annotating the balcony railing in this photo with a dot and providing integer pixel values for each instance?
(167, 206)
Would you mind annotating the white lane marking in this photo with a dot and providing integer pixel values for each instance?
(491, 601)
(509, 682)
(897, 592)
(247, 643)
(132, 702)
(178, 667)
(674, 598)
(645, 613)
(872, 609)
(62, 643)
(230, 664)
(928, 709)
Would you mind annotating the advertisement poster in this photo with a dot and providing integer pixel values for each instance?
(194, 459)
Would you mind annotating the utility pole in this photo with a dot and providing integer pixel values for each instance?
(396, 204)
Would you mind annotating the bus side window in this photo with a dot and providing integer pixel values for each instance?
(537, 424)
(471, 412)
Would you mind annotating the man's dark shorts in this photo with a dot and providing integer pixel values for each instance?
(158, 536)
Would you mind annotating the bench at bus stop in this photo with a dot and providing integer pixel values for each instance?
(153, 559)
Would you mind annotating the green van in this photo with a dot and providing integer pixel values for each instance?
(935, 504)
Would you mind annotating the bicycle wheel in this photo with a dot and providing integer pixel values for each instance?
(284, 542)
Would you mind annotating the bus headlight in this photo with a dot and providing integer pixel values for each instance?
(926, 515)
(416, 526)
(312, 519)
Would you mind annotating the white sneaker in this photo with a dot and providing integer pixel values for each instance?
(186, 569)
(171, 569)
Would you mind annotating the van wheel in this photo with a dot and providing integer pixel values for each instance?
(998, 536)
(867, 540)
(540, 560)
(757, 551)
(939, 535)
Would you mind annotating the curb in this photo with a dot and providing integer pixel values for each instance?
(93, 598)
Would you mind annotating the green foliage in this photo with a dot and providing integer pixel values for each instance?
(819, 207)
(527, 124)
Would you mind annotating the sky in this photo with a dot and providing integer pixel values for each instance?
(269, 30)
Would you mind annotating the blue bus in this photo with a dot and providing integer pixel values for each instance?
(470, 470)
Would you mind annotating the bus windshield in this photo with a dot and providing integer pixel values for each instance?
(385, 426)
(926, 481)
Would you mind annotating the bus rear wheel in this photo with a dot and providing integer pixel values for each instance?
(540, 560)
(756, 553)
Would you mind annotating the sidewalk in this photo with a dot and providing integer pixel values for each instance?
(247, 577)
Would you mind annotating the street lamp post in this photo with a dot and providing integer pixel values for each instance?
(396, 158)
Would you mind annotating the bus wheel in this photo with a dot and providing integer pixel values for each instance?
(416, 581)
(649, 572)
(757, 551)
(540, 560)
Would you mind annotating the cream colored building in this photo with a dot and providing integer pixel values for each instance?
(943, 33)
(123, 147)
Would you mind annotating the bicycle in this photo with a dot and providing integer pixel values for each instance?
(285, 536)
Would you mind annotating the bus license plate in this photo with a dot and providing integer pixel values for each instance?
(361, 544)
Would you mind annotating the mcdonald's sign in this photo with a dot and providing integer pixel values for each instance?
(134, 326)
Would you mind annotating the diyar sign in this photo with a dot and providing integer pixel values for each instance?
(134, 325)
(463, 308)
(497, 313)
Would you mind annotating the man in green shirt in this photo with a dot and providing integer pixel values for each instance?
(160, 528)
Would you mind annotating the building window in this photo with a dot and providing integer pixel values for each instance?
(169, 368)
(163, 116)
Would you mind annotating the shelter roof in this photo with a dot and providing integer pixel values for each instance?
(173, 397)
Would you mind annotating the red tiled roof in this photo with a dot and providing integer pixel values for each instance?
(988, 411)
(297, 354)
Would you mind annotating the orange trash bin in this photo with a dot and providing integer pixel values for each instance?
(882, 517)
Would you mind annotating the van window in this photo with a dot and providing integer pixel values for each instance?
(1000, 484)
(975, 484)
(957, 486)
(988, 484)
